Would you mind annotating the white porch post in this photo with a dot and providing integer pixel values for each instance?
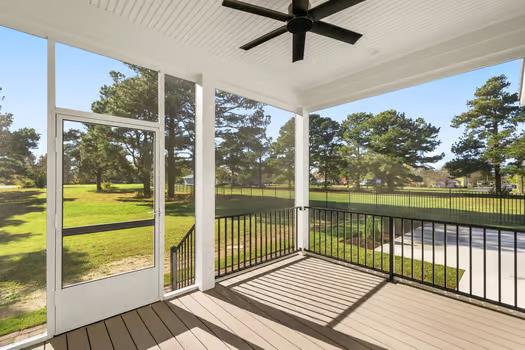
(302, 175)
(51, 189)
(205, 184)
(522, 90)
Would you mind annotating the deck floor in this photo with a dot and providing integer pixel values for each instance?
(302, 303)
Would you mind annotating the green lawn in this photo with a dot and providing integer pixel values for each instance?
(329, 246)
(22, 238)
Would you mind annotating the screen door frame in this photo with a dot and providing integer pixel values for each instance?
(84, 303)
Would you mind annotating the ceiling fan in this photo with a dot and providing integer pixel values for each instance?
(300, 19)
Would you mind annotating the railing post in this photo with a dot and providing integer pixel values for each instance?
(173, 268)
(391, 244)
(450, 200)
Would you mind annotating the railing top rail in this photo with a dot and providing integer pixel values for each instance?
(254, 212)
(439, 222)
(185, 237)
(429, 193)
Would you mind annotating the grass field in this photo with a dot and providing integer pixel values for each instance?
(463, 206)
(22, 237)
(22, 240)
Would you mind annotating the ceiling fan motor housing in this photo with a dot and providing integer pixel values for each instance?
(299, 24)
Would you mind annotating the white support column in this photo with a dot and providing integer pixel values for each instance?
(205, 184)
(302, 175)
(522, 90)
(51, 189)
(160, 183)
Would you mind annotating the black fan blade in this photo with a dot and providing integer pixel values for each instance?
(264, 38)
(330, 7)
(298, 46)
(300, 7)
(335, 32)
(257, 10)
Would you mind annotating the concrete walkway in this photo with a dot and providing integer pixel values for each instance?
(423, 246)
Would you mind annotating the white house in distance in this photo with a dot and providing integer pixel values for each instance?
(188, 180)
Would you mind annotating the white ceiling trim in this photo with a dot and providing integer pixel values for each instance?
(492, 45)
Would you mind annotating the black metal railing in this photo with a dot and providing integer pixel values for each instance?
(247, 240)
(271, 191)
(182, 257)
(454, 204)
(480, 262)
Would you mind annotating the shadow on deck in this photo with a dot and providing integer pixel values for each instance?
(302, 303)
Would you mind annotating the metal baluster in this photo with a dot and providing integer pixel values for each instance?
(219, 246)
(499, 266)
(445, 252)
(470, 258)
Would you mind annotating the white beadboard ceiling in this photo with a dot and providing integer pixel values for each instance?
(393, 31)
(390, 27)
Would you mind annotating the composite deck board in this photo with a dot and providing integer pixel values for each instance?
(237, 326)
(300, 340)
(251, 321)
(99, 337)
(290, 322)
(183, 335)
(139, 332)
(78, 339)
(221, 330)
(119, 334)
(57, 343)
(439, 326)
(158, 330)
(202, 329)
(303, 303)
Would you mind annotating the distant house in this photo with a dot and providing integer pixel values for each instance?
(371, 182)
(188, 180)
(447, 183)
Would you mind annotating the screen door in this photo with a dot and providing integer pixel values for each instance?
(107, 231)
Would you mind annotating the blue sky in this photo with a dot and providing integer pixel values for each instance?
(80, 75)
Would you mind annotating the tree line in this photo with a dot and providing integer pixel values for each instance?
(389, 148)
(18, 164)
(99, 154)
(386, 146)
